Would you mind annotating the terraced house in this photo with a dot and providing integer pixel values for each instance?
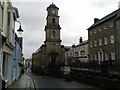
(11, 51)
(0, 45)
(104, 39)
(77, 53)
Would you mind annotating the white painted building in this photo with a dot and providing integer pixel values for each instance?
(77, 53)
(10, 14)
(0, 33)
(81, 51)
(69, 55)
(0, 44)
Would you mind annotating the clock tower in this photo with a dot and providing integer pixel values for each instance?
(54, 50)
(52, 28)
(50, 56)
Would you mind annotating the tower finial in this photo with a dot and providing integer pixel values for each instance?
(52, 1)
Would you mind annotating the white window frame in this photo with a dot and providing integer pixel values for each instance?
(71, 54)
(95, 31)
(113, 55)
(1, 17)
(90, 32)
(91, 56)
(106, 56)
(112, 39)
(111, 24)
(105, 27)
(82, 53)
(99, 30)
(95, 56)
(95, 43)
(91, 44)
(105, 41)
(100, 42)
(76, 54)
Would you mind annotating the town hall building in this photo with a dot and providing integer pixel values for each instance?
(51, 52)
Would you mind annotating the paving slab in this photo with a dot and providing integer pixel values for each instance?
(23, 82)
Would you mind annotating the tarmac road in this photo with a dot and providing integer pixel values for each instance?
(45, 82)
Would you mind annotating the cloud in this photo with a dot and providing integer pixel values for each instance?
(101, 3)
(75, 17)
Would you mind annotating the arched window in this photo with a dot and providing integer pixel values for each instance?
(53, 34)
(82, 53)
(53, 20)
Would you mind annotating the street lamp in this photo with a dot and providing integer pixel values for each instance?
(20, 30)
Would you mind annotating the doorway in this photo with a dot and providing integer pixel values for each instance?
(53, 59)
(100, 57)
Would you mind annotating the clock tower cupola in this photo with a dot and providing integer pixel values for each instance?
(52, 28)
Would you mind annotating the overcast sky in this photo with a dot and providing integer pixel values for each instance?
(75, 17)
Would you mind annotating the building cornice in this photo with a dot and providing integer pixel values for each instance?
(52, 27)
(52, 40)
(9, 45)
(14, 10)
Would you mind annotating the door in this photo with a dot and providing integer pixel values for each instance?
(53, 59)
(100, 56)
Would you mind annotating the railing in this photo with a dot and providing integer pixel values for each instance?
(103, 68)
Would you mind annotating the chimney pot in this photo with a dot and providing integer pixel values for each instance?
(96, 20)
(80, 40)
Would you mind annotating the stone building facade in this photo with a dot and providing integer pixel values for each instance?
(104, 38)
(11, 50)
(69, 55)
(51, 51)
(0, 44)
(77, 52)
(81, 51)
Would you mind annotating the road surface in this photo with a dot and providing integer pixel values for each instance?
(43, 82)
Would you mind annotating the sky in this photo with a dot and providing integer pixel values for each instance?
(76, 16)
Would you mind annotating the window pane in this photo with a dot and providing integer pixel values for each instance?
(111, 39)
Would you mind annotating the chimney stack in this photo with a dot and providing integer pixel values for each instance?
(73, 45)
(96, 20)
(80, 40)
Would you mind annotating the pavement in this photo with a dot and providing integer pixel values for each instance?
(24, 82)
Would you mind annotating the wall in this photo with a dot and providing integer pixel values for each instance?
(9, 17)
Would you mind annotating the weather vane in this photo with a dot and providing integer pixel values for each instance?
(52, 1)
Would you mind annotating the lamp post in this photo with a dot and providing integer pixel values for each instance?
(20, 30)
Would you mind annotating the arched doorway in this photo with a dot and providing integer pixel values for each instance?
(53, 57)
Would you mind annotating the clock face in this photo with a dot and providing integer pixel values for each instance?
(53, 11)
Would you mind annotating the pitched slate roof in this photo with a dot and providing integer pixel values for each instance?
(38, 50)
(109, 16)
(82, 43)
